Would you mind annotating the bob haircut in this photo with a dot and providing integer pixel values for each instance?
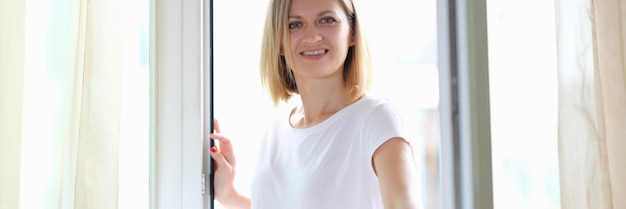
(278, 78)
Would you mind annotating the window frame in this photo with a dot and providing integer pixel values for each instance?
(465, 144)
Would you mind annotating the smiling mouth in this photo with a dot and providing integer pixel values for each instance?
(314, 53)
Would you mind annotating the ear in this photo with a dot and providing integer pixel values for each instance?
(282, 52)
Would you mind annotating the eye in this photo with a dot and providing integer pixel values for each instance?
(328, 20)
(294, 25)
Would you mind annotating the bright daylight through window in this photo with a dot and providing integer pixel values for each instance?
(523, 95)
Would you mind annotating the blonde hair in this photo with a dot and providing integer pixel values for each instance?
(278, 78)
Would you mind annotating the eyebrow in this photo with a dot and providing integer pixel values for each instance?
(318, 14)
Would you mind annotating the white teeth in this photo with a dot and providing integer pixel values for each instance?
(313, 53)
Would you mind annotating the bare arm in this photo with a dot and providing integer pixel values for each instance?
(397, 175)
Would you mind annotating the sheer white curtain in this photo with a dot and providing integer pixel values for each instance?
(60, 103)
(592, 103)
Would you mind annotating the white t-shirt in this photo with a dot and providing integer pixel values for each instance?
(328, 165)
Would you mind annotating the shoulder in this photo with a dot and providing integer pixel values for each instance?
(369, 103)
(375, 107)
(379, 117)
(381, 123)
(374, 100)
(278, 121)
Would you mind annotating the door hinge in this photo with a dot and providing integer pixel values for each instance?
(203, 180)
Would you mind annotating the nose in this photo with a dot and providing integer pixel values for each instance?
(312, 35)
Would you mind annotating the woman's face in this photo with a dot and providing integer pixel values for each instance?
(320, 35)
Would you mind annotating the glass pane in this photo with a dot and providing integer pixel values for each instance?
(403, 38)
(523, 91)
(402, 35)
(241, 104)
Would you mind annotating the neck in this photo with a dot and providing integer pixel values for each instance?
(320, 100)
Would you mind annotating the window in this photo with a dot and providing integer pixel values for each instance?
(403, 36)
(523, 94)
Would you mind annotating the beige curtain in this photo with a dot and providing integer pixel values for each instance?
(592, 103)
(11, 89)
(60, 101)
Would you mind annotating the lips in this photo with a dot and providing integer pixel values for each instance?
(314, 52)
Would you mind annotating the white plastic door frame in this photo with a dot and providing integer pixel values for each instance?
(176, 104)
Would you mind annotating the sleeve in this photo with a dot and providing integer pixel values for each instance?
(381, 124)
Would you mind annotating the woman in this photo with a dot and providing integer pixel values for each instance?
(339, 147)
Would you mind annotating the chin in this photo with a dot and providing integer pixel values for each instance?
(316, 73)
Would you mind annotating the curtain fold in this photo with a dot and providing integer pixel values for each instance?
(609, 35)
(12, 17)
(100, 106)
(592, 103)
(60, 103)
